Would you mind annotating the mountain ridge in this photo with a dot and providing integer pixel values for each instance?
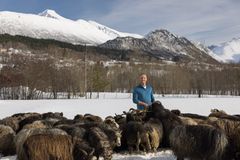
(162, 44)
(50, 25)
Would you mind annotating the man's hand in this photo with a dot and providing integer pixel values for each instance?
(143, 104)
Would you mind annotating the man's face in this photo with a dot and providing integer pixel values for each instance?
(143, 79)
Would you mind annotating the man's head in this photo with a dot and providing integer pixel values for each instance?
(143, 79)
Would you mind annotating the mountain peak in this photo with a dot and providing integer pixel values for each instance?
(50, 14)
(161, 35)
(160, 32)
(229, 51)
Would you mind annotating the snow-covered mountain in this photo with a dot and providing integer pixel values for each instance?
(163, 45)
(228, 51)
(50, 25)
(209, 52)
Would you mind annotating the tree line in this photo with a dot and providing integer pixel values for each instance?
(31, 78)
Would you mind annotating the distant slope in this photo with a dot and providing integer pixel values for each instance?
(228, 51)
(163, 45)
(50, 25)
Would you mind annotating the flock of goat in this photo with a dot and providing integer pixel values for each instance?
(51, 136)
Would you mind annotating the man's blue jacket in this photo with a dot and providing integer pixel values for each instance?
(143, 95)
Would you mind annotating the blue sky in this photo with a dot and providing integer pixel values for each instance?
(207, 21)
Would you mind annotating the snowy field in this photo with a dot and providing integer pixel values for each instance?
(162, 155)
(111, 104)
(108, 105)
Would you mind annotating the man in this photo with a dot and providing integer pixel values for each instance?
(143, 94)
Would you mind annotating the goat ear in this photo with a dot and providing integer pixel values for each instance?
(124, 112)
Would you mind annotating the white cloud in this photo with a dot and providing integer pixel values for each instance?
(209, 21)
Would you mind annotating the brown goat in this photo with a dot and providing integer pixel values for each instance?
(155, 130)
(48, 147)
(23, 135)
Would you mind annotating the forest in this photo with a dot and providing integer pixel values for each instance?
(32, 79)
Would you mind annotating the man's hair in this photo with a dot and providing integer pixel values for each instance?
(143, 74)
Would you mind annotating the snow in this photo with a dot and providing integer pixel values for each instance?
(210, 52)
(9, 158)
(111, 103)
(161, 155)
(107, 105)
(1, 66)
(229, 51)
(51, 14)
(112, 32)
(50, 25)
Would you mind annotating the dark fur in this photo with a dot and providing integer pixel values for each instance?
(137, 135)
(7, 146)
(110, 121)
(135, 115)
(79, 117)
(194, 116)
(198, 142)
(189, 121)
(223, 115)
(168, 119)
(122, 122)
(82, 150)
(189, 118)
(66, 122)
(232, 129)
(37, 124)
(13, 121)
(114, 135)
(176, 111)
(51, 115)
(89, 118)
(28, 120)
(75, 132)
(99, 140)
